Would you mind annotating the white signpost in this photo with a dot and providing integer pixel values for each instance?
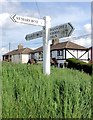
(60, 31)
(27, 20)
(34, 35)
(47, 33)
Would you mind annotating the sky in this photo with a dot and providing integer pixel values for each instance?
(77, 13)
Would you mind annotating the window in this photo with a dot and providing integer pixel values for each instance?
(51, 54)
(40, 55)
(60, 53)
(19, 56)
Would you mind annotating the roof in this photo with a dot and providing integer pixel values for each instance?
(20, 51)
(67, 45)
(40, 49)
(63, 45)
(58, 46)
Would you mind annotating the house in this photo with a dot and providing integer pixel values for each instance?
(20, 55)
(37, 54)
(90, 49)
(58, 51)
(63, 51)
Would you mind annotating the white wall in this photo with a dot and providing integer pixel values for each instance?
(17, 58)
(25, 58)
(85, 56)
(20, 58)
(68, 55)
(74, 52)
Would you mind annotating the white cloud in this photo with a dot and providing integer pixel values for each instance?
(10, 6)
(2, 51)
(86, 42)
(72, 14)
(87, 28)
(3, 19)
(2, 1)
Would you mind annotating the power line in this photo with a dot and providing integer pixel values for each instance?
(79, 37)
(38, 8)
(82, 36)
(36, 43)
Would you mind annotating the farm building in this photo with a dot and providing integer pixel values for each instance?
(63, 51)
(20, 55)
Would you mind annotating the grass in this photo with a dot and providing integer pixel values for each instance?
(27, 93)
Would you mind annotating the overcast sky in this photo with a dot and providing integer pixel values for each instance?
(77, 13)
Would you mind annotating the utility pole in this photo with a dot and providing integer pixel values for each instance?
(9, 51)
(9, 46)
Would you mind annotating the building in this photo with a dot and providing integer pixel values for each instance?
(90, 49)
(20, 55)
(38, 54)
(63, 51)
(59, 51)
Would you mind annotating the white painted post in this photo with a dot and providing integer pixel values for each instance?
(46, 46)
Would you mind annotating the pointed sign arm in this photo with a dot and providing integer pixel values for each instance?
(27, 20)
(12, 17)
(71, 29)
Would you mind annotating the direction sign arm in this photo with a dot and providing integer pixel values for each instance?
(27, 20)
(12, 17)
(72, 29)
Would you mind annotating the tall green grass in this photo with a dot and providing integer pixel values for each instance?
(27, 93)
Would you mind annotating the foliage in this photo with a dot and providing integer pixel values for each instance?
(27, 93)
(79, 65)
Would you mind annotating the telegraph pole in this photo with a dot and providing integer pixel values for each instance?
(9, 50)
(9, 46)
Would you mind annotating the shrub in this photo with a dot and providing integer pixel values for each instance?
(79, 65)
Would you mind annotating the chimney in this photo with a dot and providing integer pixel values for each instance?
(20, 46)
(55, 41)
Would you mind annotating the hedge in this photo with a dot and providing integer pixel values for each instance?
(79, 65)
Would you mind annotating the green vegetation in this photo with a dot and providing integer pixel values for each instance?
(27, 93)
(79, 65)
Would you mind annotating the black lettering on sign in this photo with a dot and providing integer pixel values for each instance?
(66, 31)
(44, 28)
(32, 21)
(18, 18)
(65, 26)
(40, 33)
(22, 19)
(27, 20)
(36, 21)
(37, 34)
(59, 27)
